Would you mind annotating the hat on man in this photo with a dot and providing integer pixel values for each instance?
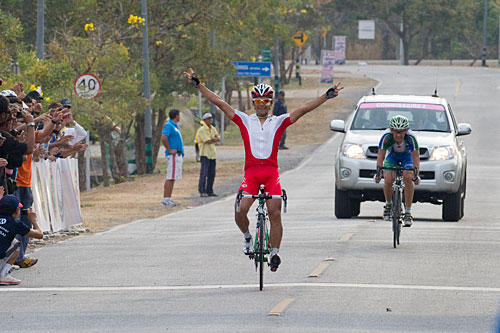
(35, 95)
(9, 204)
(11, 96)
(66, 102)
(8, 93)
(207, 115)
(281, 93)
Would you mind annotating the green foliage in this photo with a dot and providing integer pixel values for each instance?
(179, 38)
(10, 35)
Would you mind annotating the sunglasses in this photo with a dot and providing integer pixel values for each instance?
(398, 132)
(264, 101)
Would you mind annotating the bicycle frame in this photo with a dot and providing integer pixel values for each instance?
(262, 219)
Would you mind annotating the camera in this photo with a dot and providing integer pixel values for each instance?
(15, 132)
(24, 212)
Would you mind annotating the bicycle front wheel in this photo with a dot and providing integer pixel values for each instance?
(396, 216)
(261, 253)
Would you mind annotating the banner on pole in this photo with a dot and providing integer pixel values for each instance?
(327, 63)
(339, 49)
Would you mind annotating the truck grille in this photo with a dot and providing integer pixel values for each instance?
(372, 152)
(364, 173)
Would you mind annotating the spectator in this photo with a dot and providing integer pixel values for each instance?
(10, 226)
(207, 138)
(279, 109)
(35, 95)
(24, 193)
(11, 149)
(75, 129)
(174, 151)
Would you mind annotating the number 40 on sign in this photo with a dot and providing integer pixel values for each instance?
(87, 86)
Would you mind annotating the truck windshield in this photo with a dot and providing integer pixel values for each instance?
(422, 117)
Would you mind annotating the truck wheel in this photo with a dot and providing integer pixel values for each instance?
(343, 204)
(464, 191)
(355, 207)
(452, 207)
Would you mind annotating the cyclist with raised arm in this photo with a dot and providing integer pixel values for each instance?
(261, 134)
(402, 147)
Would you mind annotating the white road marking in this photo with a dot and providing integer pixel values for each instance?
(346, 237)
(5, 290)
(318, 270)
(457, 87)
(280, 307)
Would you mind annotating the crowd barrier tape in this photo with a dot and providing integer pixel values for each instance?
(56, 194)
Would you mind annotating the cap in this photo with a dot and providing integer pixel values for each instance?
(207, 115)
(65, 102)
(8, 93)
(34, 95)
(9, 204)
(281, 93)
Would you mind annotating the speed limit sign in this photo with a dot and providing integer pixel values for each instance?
(87, 86)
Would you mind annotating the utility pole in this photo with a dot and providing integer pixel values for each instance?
(401, 46)
(40, 26)
(485, 23)
(147, 94)
(276, 58)
(212, 43)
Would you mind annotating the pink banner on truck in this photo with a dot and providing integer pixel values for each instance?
(402, 106)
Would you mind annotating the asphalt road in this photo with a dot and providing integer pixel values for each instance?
(185, 271)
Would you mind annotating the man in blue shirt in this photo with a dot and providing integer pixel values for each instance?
(10, 226)
(174, 151)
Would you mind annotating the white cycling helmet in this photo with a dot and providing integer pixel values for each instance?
(399, 122)
(262, 90)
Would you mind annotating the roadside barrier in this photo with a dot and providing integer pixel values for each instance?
(56, 194)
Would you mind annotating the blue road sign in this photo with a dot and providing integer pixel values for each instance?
(253, 69)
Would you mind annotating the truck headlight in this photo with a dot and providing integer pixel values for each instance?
(353, 151)
(442, 153)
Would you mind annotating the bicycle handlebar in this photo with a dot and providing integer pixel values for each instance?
(396, 168)
(261, 196)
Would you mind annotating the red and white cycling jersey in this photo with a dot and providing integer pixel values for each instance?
(261, 141)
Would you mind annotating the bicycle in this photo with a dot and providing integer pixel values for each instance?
(397, 200)
(262, 246)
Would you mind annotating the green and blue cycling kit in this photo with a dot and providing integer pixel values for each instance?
(398, 153)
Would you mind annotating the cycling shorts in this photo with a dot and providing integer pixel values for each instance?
(261, 174)
(393, 160)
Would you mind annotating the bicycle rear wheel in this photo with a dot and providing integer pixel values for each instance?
(396, 215)
(261, 253)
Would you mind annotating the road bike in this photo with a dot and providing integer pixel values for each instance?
(397, 200)
(262, 246)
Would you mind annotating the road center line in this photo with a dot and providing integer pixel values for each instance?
(280, 307)
(318, 270)
(346, 237)
(457, 87)
(5, 290)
